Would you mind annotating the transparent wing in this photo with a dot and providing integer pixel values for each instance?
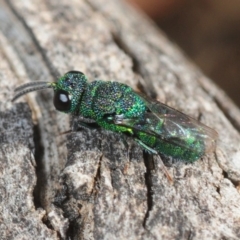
(171, 126)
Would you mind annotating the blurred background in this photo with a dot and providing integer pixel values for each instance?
(209, 33)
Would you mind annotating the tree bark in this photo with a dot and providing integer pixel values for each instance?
(90, 184)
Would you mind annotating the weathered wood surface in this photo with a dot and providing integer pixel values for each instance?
(88, 184)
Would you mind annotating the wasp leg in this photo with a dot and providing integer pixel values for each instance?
(80, 122)
(152, 151)
(86, 125)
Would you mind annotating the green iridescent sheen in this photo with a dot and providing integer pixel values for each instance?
(74, 83)
(116, 107)
(101, 101)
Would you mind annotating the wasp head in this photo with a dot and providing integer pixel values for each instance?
(68, 90)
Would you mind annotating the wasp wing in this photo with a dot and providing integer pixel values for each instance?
(171, 126)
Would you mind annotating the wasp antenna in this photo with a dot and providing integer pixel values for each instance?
(31, 87)
(30, 84)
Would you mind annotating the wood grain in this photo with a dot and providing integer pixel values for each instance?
(91, 184)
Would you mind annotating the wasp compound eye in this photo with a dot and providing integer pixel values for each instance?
(62, 101)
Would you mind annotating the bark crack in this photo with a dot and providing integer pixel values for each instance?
(136, 68)
(41, 177)
(149, 164)
(39, 152)
(121, 45)
(97, 178)
(233, 121)
(224, 104)
(53, 71)
(225, 173)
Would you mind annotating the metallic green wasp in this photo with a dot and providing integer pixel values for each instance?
(114, 106)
